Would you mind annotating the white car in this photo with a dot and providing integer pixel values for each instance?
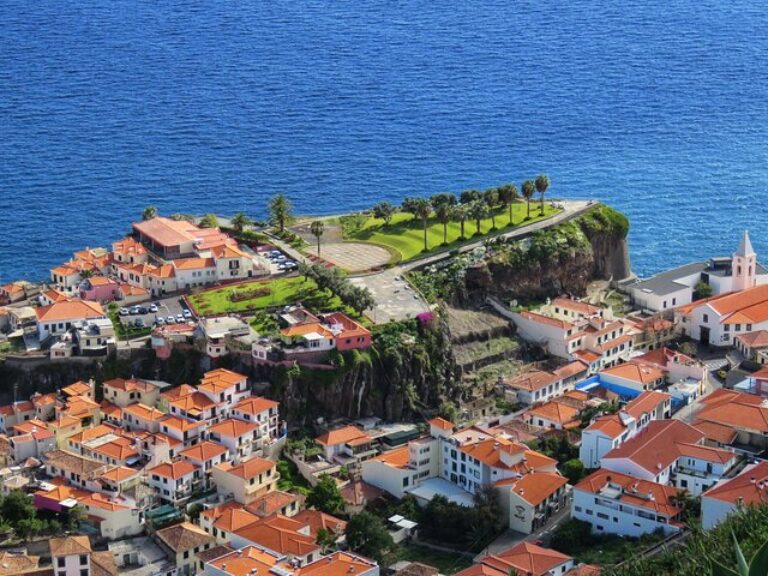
(187, 314)
(153, 308)
(124, 312)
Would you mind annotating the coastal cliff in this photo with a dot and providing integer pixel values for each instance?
(409, 369)
(563, 259)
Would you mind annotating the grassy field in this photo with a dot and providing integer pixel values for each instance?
(282, 291)
(406, 234)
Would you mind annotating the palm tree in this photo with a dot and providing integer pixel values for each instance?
(149, 213)
(477, 211)
(757, 566)
(280, 211)
(422, 209)
(444, 211)
(240, 221)
(542, 183)
(507, 196)
(460, 213)
(317, 227)
(491, 197)
(529, 189)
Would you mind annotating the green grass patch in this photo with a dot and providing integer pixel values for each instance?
(275, 293)
(446, 562)
(405, 234)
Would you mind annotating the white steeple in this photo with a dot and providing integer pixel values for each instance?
(743, 265)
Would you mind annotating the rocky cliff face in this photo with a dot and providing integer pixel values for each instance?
(410, 368)
(564, 259)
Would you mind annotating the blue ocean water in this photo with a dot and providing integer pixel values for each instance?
(656, 106)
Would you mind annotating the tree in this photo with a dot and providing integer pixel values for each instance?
(75, 516)
(542, 183)
(367, 535)
(149, 213)
(317, 227)
(477, 211)
(422, 209)
(326, 497)
(757, 566)
(529, 189)
(491, 198)
(409, 205)
(240, 221)
(442, 198)
(325, 539)
(702, 290)
(443, 212)
(469, 196)
(280, 211)
(460, 213)
(573, 470)
(16, 507)
(507, 196)
(209, 221)
(690, 506)
(385, 211)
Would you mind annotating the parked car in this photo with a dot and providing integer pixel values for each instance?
(124, 312)
(135, 309)
(290, 265)
(170, 320)
(153, 307)
(143, 310)
(139, 323)
(187, 314)
(179, 318)
(160, 321)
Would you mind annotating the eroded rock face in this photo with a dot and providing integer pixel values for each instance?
(561, 260)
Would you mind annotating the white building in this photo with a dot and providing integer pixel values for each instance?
(671, 452)
(750, 487)
(541, 386)
(615, 503)
(676, 287)
(611, 430)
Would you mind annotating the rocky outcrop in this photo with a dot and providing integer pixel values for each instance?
(563, 259)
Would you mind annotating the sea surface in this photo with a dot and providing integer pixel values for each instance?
(658, 107)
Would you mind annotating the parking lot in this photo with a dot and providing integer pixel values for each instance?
(279, 263)
(165, 307)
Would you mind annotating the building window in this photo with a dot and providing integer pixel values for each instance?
(706, 318)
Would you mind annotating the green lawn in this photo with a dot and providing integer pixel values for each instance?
(446, 562)
(405, 234)
(282, 291)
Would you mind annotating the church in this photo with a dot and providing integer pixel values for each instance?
(675, 288)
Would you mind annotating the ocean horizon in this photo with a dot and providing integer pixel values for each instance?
(659, 109)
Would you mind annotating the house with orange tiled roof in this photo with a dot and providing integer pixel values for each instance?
(15, 413)
(282, 535)
(58, 318)
(340, 564)
(753, 345)
(31, 439)
(348, 442)
(206, 455)
(542, 385)
(224, 387)
(264, 413)
(672, 452)
(247, 480)
(141, 417)
(615, 503)
(523, 558)
(276, 502)
(99, 289)
(553, 415)
(749, 488)
(123, 392)
(238, 436)
(174, 482)
(609, 431)
(575, 330)
(181, 429)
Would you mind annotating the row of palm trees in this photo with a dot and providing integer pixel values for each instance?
(471, 205)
